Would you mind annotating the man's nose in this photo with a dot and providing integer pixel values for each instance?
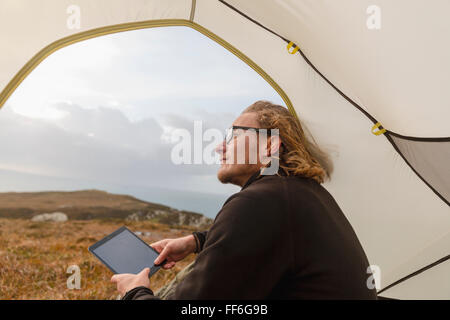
(221, 147)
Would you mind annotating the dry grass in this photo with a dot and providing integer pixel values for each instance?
(34, 258)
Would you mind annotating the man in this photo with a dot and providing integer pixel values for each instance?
(283, 236)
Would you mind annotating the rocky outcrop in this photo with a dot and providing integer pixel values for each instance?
(55, 216)
(93, 204)
(172, 217)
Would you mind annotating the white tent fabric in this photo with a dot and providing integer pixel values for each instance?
(397, 75)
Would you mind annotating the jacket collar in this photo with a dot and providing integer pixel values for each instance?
(257, 175)
(253, 178)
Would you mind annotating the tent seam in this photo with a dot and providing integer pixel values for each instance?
(252, 20)
(415, 273)
(193, 5)
(424, 139)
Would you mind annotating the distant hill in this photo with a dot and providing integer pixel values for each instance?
(208, 204)
(94, 204)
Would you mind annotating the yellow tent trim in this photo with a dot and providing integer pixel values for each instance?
(66, 41)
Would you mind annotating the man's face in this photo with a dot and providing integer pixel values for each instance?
(240, 156)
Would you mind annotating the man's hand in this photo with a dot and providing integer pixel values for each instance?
(174, 250)
(127, 281)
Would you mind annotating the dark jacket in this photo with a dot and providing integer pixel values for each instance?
(280, 237)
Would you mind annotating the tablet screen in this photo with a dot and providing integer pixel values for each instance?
(124, 252)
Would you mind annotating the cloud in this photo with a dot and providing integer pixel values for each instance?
(144, 67)
(100, 110)
(99, 145)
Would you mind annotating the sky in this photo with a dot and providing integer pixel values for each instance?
(100, 114)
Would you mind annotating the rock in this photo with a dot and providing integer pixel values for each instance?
(172, 217)
(55, 216)
(142, 234)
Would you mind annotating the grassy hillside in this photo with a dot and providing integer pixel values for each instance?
(34, 257)
(94, 204)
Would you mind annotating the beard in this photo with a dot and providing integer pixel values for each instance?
(224, 175)
(235, 173)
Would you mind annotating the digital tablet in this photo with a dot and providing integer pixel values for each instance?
(124, 252)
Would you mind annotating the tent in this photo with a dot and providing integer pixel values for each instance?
(369, 78)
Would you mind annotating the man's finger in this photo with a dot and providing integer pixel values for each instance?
(159, 244)
(161, 257)
(116, 277)
(156, 246)
(144, 272)
(169, 265)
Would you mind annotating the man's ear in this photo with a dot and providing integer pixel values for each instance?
(273, 155)
(273, 146)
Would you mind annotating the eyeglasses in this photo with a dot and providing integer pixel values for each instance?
(232, 132)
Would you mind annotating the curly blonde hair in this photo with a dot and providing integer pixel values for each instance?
(299, 154)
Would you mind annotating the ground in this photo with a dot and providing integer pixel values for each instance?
(34, 257)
